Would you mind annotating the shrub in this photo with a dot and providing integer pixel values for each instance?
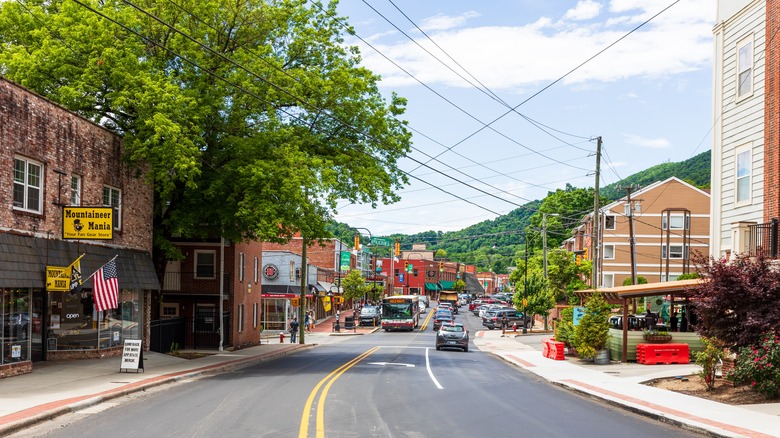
(564, 331)
(592, 333)
(708, 360)
(759, 366)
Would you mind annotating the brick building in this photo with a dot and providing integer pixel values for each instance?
(51, 160)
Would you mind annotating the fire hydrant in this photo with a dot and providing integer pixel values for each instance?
(281, 337)
(514, 327)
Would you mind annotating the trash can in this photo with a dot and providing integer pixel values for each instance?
(349, 323)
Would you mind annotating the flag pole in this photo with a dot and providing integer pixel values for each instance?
(96, 271)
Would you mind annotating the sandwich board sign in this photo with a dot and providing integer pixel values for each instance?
(132, 356)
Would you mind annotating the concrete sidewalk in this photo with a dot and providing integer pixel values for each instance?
(621, 384)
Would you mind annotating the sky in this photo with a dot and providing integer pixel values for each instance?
(506, 98)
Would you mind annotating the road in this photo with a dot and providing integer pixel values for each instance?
(378, 385)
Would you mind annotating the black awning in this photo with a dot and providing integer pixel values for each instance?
(23, 262)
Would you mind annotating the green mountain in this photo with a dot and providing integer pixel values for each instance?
(495, 243)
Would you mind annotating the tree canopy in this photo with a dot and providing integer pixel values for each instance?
(250, 118)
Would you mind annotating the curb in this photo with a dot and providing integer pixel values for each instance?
(74, 404)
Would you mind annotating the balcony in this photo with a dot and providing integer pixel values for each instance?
(763, 240)
(186, 282)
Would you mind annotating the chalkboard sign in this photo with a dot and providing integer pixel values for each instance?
(132, 356)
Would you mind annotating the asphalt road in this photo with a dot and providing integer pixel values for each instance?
(379, 385)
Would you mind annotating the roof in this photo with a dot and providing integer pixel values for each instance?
(677, 287)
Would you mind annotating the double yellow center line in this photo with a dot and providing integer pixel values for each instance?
(328, 382)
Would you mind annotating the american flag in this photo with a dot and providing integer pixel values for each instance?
(105, 287)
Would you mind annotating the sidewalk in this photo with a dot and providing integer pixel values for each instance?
(621, 384)
(55, 388)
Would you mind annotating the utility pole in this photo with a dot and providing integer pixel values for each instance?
(596, 221)
(544, 241)
(301, 307)
(631, 240)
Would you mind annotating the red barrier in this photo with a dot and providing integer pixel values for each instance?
(553, 350)
(653, 354)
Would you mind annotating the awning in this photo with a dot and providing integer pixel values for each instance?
(282, 291)
(446, 285)
(317, 287)
(329, 287)
(677, 287)
(432, 287)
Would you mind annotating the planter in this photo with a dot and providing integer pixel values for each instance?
(657, 338)
(602, 357)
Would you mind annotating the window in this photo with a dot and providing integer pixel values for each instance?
(676, 222)
(609, 222)
(240, 318)
(742, 184)
(241, 266)
(205, 261)
(609, 280)
(609, 252)
(675, 252)
(112, 197)
(170, 310)
(28, 185)
(292, 271)
(745, 67)
(75, 190)
(254, 315)
(257, 268)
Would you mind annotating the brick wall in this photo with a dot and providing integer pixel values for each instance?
(321, 256)
(40, 130)
(246, 292)
(15, 369)
(772, 115)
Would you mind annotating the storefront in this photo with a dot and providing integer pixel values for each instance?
(42, 325)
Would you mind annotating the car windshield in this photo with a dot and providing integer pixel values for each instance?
(452, 328)
(395, 310)
(368, 310)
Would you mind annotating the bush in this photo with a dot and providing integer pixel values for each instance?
(592, 333)
(564, 330)
(759, 366)
(708, 359)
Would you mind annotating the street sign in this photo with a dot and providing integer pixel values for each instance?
(400, 278)
(381, 241)
(295, 302)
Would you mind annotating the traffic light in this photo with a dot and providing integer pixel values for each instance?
(586, 254)
(406, 266)
(357, 242)
(397, 248)
(441, 266)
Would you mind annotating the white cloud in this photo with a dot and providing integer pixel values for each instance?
(444, 22)
(513, 58)
(649, 143)
(585, 10)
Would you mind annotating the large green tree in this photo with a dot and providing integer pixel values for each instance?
(250, 117)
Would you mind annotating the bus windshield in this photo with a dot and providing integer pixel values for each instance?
(396, 310)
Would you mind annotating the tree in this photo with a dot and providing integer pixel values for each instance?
(354, 285)
(459, 285)
(639, 280)
(251, 119)
(564, 274)
(739, 301)
(540, 298)
(592, 333)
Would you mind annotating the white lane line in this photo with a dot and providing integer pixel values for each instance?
(430, 372)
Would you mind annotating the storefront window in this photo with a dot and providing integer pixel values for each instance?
(17, 324)
(74, 324)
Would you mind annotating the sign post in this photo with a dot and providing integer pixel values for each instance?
(132, 356)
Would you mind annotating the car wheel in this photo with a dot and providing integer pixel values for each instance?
(490, 328)
(465, 349)
(438, 348)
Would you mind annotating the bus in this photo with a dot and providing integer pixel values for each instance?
(401, 312)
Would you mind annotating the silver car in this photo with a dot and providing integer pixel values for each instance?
(452, 335)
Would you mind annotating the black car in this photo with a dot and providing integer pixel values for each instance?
(452, 335)
(493, 318)
(370, 316)
(442, 317)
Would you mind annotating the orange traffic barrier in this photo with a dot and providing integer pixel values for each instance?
(653, 354)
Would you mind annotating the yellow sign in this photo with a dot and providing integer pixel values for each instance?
(90, 223)
(295, 302)
(58, 278)
(326, 304)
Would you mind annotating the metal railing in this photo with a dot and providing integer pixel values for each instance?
(763, 240)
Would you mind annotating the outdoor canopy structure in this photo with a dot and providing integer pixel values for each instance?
(621, 295)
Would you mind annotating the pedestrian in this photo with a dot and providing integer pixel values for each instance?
(673, 321)
(684, 323)
(311, 319)
(307, 324)
(294, 330)
(504, 323)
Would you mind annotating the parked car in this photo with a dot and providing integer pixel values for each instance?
(493, 307)
(440, 317)
(481, 301)
(370, 316)
(452, 336)
(493, 318)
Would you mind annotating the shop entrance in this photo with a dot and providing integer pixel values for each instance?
(40, 312)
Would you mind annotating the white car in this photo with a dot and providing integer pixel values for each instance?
(422, 308)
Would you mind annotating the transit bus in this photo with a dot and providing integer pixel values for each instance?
(401, 312)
